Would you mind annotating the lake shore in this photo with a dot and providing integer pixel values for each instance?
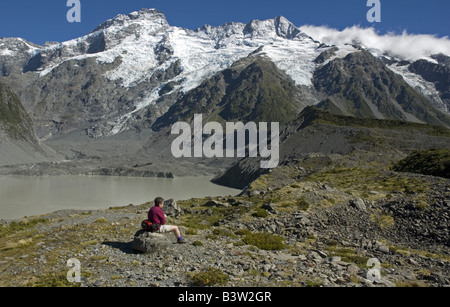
(248, 243)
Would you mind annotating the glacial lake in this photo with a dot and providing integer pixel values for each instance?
(28, 196)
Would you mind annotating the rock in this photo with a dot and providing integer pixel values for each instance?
(381, 247)
(359, 204)
(413, 262)
(255, 193)
(314, 256)
(353, 270)
(269, 207)
(437, 278)
(327, 188)
(321, 253)
(388, 283)
(214, 203)
(147, 242)
(305, 221)
(171, 208)
(334, 259)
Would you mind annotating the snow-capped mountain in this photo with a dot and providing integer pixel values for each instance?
(131, 69)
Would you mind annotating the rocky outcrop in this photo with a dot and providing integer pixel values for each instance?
(14, 120)
(439, 74)
(18, 142)
(326, 55)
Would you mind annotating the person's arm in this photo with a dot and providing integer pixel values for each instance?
(162, 217)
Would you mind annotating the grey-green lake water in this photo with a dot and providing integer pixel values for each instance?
(28, 196)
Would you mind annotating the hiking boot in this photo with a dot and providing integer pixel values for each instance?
(182, 241)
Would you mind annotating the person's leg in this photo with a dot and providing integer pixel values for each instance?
(174, 229)
(177, 234)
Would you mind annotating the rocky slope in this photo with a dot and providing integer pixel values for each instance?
(320, 133)
(18, 142)
(437, 73)
(316, 230)
(252, 89)
(16, 123)
(362, 86)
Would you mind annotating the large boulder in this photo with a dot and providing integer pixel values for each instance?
(147, 242)
(171, 208)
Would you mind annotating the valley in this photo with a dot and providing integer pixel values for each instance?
(360, 137)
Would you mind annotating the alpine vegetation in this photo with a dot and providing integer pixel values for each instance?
(214, 146)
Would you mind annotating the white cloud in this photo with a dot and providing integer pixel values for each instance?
(405, 46)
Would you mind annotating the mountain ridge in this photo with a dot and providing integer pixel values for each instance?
(135, 74)
(134, 39)
(363, 86)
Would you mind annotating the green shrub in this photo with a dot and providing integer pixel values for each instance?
(197, 243)
(302, 204)
(52, 280)
(191, 231)
(223, 232)
(242, 232)
(435, 162)
(260, 213)
(209, 278)
(265, 241)
(348, 255)
(19, 226)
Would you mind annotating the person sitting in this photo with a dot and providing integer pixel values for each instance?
(156, 216)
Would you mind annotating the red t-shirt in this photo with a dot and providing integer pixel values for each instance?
(156, 216)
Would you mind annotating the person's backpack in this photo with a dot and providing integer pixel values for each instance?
(149, 226)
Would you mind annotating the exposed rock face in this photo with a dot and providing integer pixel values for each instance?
(326, 55)
(252, 89)
(14, 120)
(439, 74)
(361, 85)
(18, 142)
(14, 54)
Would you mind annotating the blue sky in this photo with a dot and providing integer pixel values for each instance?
(45, 20)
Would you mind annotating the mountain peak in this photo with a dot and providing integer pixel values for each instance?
(153, 16)
(285, 28)
(279, 26)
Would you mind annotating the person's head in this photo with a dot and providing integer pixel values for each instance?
(159, 202)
